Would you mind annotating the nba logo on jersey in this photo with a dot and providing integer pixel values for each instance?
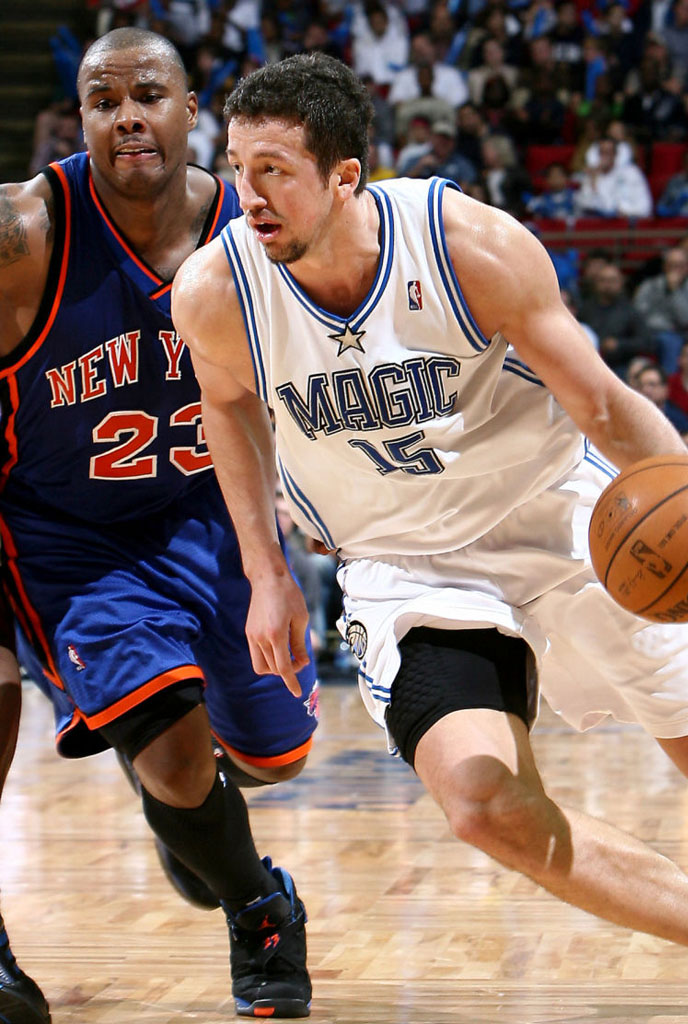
(415, 295)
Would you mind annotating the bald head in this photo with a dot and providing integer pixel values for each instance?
(151, 45)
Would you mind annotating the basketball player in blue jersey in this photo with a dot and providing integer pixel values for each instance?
(430, 392)
(122, 568)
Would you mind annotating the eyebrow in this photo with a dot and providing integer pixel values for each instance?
(107, 87)
(270, 154)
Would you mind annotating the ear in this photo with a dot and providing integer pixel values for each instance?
(191, 111)
(347, 175)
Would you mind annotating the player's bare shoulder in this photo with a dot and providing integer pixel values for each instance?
(497, 260)
(26, 242)
(206, 310)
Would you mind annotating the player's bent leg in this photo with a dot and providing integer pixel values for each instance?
(478, 765)
(208, 831)
(493, 800)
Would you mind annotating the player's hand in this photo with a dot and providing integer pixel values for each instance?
(276, 629)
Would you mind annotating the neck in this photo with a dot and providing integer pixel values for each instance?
(340, 270)
(145, 219)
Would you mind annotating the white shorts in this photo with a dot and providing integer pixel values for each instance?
(529, 577)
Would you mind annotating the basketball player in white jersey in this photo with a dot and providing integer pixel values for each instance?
(435, 410)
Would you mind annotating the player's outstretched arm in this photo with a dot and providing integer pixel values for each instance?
(239, 435)
(510, 286)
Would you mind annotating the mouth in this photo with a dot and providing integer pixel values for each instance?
(136, 154)
(266, 231)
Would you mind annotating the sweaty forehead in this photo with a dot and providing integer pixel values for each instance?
(106, 67)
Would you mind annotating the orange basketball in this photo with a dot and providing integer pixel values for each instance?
(639, 538)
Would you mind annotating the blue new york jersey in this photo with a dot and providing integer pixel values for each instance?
(100, 406)
(122, 566)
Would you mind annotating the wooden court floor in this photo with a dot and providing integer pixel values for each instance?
(406, 925)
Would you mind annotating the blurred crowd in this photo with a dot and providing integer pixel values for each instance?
(474, 91)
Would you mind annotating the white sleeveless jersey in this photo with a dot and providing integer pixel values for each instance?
(401, 429)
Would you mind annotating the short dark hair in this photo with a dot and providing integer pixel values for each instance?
(131, 38)
(318, 92)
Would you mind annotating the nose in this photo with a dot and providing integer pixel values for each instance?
(249, 197)
(129, 120)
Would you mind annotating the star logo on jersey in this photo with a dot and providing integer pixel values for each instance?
(348, 339)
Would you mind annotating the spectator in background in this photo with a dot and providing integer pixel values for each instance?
(678, 381)
(293, 19)
(271, 33)
(208, 135)
(593, 261)
(383, 118)
(441, 159)
(540, 118)
(380, 42)
(378, 163)
(472, 130)
(416, 145)
(426, 105)
(652, 382)
(409, 83)
(653, 108)
(610, 191)
(662, 301)
(635, 368)
(567, 37)
(625, 145)
(185, 23)
(570, 300)
(493, 64)
(673, 201)
(506, 182)
(675, 35)
(557, 198)
(495, 107)
(610, 313)
(59, 136)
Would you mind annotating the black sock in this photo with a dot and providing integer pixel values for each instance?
(214, 841)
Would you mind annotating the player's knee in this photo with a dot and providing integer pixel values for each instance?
(181, 777)
(490, 807)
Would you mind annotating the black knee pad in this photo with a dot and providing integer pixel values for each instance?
(135, 729)
(445, 670)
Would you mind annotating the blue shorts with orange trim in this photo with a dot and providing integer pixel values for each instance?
(114, 614)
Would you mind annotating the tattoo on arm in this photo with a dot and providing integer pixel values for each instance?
(13, 240)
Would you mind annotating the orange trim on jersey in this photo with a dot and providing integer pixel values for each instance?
(266, 762)
(125, 245)
(154, 685)
(27, 609)
(61, 279)
(75, 720)
(10, 435)
(160, 291)
(220, 202)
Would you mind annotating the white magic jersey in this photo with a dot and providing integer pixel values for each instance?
(401, 429)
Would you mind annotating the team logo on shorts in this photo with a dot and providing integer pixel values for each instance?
(357, 639)
(415, 295)
(75, 658)
(312, 702)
